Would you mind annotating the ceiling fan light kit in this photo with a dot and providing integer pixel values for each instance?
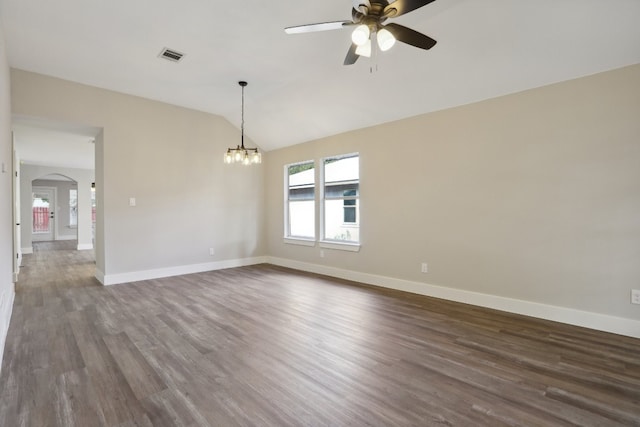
(385, 39)
(368, 17)
(241, 154)
(364, 50)
(360, 35)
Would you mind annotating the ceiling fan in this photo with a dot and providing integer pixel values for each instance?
(368, 17)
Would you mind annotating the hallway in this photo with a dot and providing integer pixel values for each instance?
(55, 266)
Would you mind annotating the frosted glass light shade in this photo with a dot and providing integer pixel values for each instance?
(365, 49)
(360, 35)
(385, 40)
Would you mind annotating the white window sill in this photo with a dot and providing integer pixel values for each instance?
(341, 246)
(299, 241)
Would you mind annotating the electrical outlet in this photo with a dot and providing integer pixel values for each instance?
(321, 253)
(424, 267)
(212, 251)
(635, 296)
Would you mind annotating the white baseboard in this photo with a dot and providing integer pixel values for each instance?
(135, 276)
(601, 322)
(85, 246)
(6, 308)
(28, 250)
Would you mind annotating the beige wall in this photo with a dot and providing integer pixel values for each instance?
(168, 158)
(6, 214)
(533, 196)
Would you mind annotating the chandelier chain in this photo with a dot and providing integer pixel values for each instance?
(241, 154)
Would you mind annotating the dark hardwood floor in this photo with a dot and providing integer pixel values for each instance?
(266, 346)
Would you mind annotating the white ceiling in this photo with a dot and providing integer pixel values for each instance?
(298, 88)
(48, 143)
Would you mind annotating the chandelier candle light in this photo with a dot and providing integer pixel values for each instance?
(240, 154)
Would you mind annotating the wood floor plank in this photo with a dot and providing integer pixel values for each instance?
(140, 376)
(265, 345)
(170, 408)
(76, 402)
(114, 394)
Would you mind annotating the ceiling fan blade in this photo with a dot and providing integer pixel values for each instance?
(400, 7)
(362, 6)
(352, 56)
(322, 26)
(409, 36)
(356, 16)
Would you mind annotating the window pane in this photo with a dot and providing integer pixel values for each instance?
(301, 175)
(341, 169)
(300, 186)
(302, 219)
(341, 192)
(335, 225)
(350, 214)
(301, 193)
(73, 207)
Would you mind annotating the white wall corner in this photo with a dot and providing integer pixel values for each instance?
(27, 250)
(597, 321)
(6, 308)
(85, 246)
(136, 276)
(100, 276)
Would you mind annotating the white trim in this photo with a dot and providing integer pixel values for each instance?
(299, 241)
(135, 276)
(6, 308)
(85, 246)
(351, 247)
(27, 251)
(597, 321)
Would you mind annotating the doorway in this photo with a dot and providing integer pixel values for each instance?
(43, 213)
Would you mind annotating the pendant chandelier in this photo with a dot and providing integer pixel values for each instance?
(241, 154)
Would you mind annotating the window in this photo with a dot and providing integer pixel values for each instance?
(73, 207)
(349, 207)
(341, 192)
(300, 196)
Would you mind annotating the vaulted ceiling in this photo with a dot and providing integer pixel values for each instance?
(298, 88)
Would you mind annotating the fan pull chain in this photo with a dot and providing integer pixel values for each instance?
(374, 54)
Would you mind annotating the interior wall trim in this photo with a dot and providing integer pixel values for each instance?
(27, 250)
(85, 246)
(136, 276)
(6, 308)
(597, 321)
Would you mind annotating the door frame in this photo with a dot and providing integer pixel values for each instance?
(54, 231)
(15, 203)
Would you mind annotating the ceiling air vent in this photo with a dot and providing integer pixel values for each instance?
(171, 55)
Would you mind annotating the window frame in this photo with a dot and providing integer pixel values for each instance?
(334, 243)
(288, 237)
